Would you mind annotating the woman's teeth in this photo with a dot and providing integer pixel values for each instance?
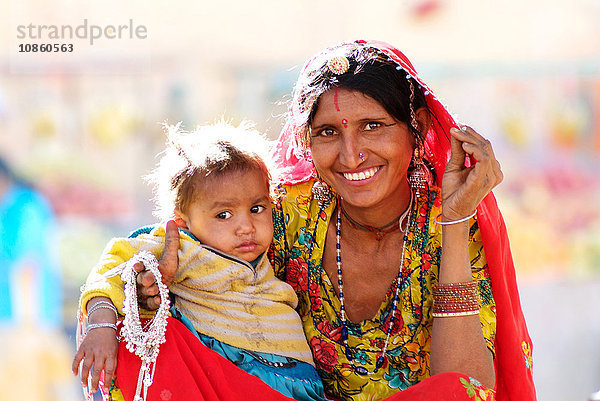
(363, 175)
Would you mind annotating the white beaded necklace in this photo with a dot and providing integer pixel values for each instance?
(379, 363)
(144, 344)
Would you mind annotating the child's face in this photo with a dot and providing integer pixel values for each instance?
(232, 213)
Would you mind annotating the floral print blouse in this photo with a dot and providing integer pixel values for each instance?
(297, 250)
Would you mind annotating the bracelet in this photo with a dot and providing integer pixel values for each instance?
(448, 223)
(455, 299)
(103, 305)
(455, 314)
(93, 326)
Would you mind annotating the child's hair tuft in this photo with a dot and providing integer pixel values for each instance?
(209, 150)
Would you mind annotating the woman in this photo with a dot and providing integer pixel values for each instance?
(368, 119)
(384, 306)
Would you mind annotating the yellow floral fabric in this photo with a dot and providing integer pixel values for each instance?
(299, 239)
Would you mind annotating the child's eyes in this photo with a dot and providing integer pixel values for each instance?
(257, 209)
(224, 215)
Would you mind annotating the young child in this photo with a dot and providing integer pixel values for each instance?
(214, 183)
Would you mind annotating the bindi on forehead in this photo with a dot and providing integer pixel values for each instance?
(337, 107)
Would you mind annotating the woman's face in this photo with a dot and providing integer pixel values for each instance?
(347, 124)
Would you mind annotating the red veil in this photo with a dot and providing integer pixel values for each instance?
(514, 379)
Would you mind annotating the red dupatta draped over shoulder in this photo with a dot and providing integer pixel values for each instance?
(514, 381)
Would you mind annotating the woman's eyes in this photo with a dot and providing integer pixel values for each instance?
(370, 126)
(257, 208)
(224, 215)
(326, 132)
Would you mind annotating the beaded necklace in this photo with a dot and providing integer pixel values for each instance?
(381, 358)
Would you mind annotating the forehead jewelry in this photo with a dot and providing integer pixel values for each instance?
(338, 65)
(345, 122)
(361, 156)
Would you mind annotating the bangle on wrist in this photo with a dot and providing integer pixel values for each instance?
(455, 299)
(103, 305)
(455, 314)
(448, 223)
(92, 326)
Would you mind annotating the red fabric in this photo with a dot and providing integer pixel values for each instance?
(188, 370)
(448, 386)
(514, 380)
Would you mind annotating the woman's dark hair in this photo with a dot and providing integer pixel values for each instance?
(385, 84)
(370, 72)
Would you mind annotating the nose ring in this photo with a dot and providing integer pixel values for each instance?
(361, 156)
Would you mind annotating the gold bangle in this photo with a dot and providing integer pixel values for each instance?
(455, 314)
(455, 299)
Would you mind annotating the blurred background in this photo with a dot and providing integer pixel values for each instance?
(79, 128)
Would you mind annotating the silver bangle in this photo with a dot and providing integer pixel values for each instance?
(448, 223)
(108, 304)
(103, 305)
(93, 326)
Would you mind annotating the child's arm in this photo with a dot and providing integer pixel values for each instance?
(99, 347)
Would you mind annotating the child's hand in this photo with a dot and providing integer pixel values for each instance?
(98, 352)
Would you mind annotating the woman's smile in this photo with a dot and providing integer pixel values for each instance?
(361, 150)
(361, 175)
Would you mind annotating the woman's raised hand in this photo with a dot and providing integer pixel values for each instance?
(148, 297)
(464, 187)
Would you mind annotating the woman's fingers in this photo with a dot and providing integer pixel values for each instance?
(457, 158)
(153, 303)
(486, 168)
(146, 289)
(170, 259)
(146, 280)
(464, 187)
(148, 297)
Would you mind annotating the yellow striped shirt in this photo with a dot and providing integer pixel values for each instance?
(223, 296)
